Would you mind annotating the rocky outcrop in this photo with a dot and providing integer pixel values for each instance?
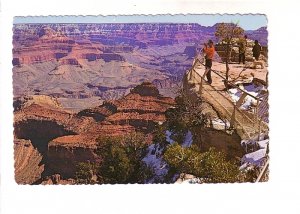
(107, 57)
(28, 162)
(56, 179)
(146, 89)
(55, 56)
(70, 56)
(140, 110)
(62, 139)
(99, 113)
(117, 49)
(66, 152)
(37, 124)
(42, 100)
(35, 43)
(221, 140)
(85, 60)
(69, 61)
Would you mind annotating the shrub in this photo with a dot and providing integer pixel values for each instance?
(187, 114)
(122, 159)
(84, 172)
(211, 166)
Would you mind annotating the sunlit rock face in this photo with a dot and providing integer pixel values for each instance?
(57, 140)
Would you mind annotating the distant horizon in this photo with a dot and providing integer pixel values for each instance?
(247, 21)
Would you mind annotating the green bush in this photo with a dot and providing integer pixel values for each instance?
(84, 172)
(116, 166)
(187, 114)
(121, 161)
(211, 166)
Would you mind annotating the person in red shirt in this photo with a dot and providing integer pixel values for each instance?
(209, 51)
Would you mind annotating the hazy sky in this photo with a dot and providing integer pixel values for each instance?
(248, 22)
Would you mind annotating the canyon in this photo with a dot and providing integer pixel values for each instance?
(74, 83)
(50, 140)
(103, 61)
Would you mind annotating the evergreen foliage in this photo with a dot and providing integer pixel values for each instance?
(188, 113)
(84, 172)
(211, 165)
(121, 161)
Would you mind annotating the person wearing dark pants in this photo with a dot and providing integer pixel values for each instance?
(256, 50)
(208, 65)
(209, 51)
(242, 57)
(242, 49)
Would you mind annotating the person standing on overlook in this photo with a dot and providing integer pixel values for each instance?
(209, 51)
(242, 49)
(256, 50)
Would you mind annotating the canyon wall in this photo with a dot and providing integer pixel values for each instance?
(58, 140)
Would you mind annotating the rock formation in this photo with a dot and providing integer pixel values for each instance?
(113, 56)
(28, 162)
(128, 68)
(57, 140)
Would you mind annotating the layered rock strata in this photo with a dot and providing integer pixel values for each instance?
(58, 140)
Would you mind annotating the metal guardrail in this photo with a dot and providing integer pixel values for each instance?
(260, 114)
(231, 84)
(263, 171)
(237, 117)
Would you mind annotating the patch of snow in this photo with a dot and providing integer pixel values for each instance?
(188, 179)
(233, 90)
(192, 181)
(188, 140)
(235, 94)
(154, 160)
(220, 123)
(244, 166)
(248, 101)
(255, 158)
(253, 88)
(168, 137)
(263, 144)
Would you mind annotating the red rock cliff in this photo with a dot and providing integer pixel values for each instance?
(63, 139)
